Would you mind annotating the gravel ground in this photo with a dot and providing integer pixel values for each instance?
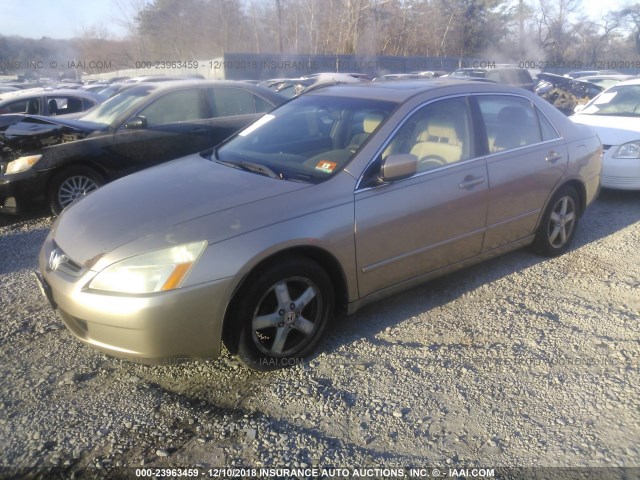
(520, 361)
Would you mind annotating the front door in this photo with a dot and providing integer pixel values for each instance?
(414, 226)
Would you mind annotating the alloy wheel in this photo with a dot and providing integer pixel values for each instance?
(75, 187)
(287, 317)
(562, 221)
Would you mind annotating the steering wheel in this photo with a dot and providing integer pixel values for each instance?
(431, 161)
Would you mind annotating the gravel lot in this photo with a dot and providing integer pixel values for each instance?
(520, 361)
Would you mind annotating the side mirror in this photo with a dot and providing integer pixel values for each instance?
(136, 123)
(578, 108)
(398, 166)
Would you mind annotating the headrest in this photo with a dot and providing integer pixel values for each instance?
(371, 122)
(513, 115)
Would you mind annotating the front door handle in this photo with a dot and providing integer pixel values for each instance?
(552, 157)
(469, 182)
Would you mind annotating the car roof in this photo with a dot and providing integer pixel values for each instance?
(401, 90)
(633, 81)
(36, 92)
(181, 84)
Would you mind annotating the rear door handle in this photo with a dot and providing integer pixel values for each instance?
(469, 182)
(552, 157)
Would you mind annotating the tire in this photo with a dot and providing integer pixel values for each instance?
(282, 313)
(558, 225)
(70, 184)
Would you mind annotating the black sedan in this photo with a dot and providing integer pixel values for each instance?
(58, 160)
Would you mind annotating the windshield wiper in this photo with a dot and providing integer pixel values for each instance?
(249, 167)
(262, 169)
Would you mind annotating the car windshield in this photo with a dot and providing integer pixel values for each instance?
(110, 110)
(620, 100)
(308, 139)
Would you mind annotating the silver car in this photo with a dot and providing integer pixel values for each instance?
(336, 199)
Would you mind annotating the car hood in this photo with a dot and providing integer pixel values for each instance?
(611, 130)
(571, 86)
(157, 204)
(28, 133)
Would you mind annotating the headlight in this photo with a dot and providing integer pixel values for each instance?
(21, 164)
(628, 150)
(150, 272)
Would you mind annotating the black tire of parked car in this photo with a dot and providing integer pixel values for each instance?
(559, 222)
(282, 313)
(70, 184)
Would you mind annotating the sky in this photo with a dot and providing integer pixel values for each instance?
(56, 18)
(68, 18)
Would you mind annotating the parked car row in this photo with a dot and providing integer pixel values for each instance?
(59, 159)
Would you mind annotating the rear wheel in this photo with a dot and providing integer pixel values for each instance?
(71, 184)
(558, 225)
(283, 313)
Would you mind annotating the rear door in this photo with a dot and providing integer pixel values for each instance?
(414, 226)
(526, 160)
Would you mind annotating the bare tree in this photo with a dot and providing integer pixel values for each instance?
(556, 33)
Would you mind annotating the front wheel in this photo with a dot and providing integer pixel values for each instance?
(71, 184)
(558, 225)
(283, 313)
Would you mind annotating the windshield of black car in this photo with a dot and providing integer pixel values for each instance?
(308, 139)
(110, 110)
(619, 101)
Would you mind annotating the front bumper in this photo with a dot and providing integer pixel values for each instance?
(178, 324)
(21, 190)
(620, 173)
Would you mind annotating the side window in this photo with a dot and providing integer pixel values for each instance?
(174, 107)
(30, 106)
(87, 104)
(438, 134)
(548, 131)
(511, 122)
(57, 105)
(228, 102)
(64, 105)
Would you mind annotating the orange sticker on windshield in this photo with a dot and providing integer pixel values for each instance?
(326, 166)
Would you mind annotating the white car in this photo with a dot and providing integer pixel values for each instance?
(615, 116)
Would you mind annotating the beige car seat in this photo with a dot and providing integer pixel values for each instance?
(438, 142)
(369, 124)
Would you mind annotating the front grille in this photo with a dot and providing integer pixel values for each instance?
(619, 181)
(59, 261)
(606, 147)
